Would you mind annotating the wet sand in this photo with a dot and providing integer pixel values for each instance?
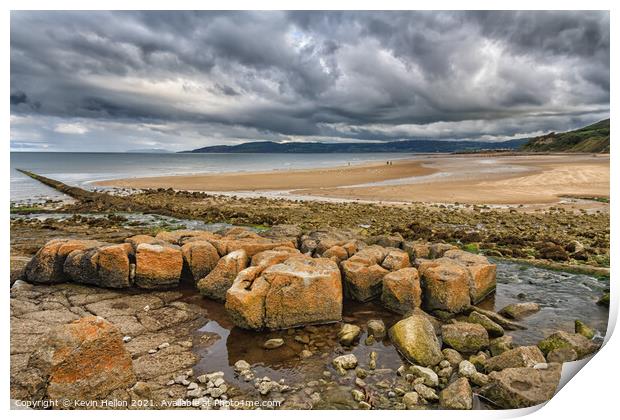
(475, 179)
(279, 180)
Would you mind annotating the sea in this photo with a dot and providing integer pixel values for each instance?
(82, 169)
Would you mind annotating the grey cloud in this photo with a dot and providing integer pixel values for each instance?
(235, 76)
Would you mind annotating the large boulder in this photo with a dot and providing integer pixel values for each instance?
(181, 236)
(84, 360)
(302, 291)
(245, 300)
(526, 356)
(362, 282)
(387, 241)
(242, 239)
(337, 253)
(445, 284)
(401, 290)
(221, 278)
(318, 241)
(465, 337)
(47, 265)
(482, 273)
(562, 339)
(136, 240)
(298, 291)
(438, 249)
(107, 266)
(274, 256)
(522, 387)
(395, 259)
(200, 257)
(416, 249)
(415, 338)
(158, 266)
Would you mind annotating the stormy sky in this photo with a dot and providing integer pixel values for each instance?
(118, 81)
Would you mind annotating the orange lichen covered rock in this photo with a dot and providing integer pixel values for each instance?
(445, 284)
(274, 256)
(221, 278)
(158, 266)
(47, 264)
(179, 237)
(401, 291)
(83, 360)
(482, 272)
(107, 266)
(245, 300)
(298, 291)
(200, 257)
(395, 260)
(302, 291)
(363, 282)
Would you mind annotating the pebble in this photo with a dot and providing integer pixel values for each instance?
(273, 343)
(358, 395)
(305, 354)
(467, 369)
(163, 346)
(376, 328)
(426, 392)
(344, 362)
(430, 378)
(360, 383)
(411, 399)
(241, 365)
(372, 360)
(216, 392)
(479, 379)
(363, 405)
(316, 398)
(192, 385)
(303, 339)
(126, 339)
(194, 393)
(152, 351)
(247, 375)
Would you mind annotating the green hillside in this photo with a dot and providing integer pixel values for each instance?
(591, 139)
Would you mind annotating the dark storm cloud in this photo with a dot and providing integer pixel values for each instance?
(196, 78)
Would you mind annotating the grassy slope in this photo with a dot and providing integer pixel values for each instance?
(591, 139)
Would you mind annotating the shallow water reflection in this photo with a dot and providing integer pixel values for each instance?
(563, 297)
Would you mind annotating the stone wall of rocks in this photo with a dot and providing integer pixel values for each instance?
(280, 278)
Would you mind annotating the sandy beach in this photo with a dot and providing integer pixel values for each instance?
(476, 179)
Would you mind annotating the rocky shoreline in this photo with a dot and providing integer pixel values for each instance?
(557, 236)
(133, 305)
(388, 311)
